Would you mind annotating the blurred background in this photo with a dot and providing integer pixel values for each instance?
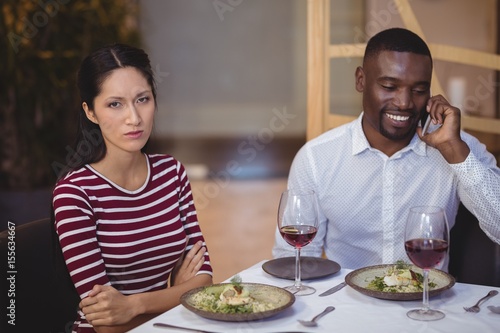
(232, 90)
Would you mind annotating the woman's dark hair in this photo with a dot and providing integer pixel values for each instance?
(94, 70)
(396, 39)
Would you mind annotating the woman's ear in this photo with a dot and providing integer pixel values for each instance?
(360, 79)
(89, 113)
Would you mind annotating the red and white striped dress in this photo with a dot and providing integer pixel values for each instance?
(130, 240)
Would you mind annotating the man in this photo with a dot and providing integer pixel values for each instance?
(368, 173)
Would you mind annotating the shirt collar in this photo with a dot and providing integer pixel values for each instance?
(360, 142)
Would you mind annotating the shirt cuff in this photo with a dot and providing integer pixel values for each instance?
(469, 172)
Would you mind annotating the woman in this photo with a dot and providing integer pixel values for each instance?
(126, 221)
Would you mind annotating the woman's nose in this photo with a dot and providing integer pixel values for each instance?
(133, 116)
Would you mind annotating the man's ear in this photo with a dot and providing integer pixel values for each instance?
(360, 79)
(89, 113)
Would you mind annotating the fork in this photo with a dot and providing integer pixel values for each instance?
(475, 308)
(312, 322)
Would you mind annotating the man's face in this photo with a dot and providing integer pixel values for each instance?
(396, 87)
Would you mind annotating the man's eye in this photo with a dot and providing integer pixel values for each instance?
(388, 87)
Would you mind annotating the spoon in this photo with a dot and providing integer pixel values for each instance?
(313, 323)
(494, 309)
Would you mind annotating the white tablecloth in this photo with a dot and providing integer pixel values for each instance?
(354, 312)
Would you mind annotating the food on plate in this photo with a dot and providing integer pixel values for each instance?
(235, 295)
(399, 278)
(233, 298)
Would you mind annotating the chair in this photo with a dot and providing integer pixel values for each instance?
(45, 298)
(474, 258)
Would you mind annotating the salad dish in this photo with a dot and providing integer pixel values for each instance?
(397, 281)
(237, 301)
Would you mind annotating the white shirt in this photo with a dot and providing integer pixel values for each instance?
(365, 196)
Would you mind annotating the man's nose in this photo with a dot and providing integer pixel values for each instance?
(403, 99)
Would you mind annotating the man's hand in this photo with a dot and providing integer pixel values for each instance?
(446, 138)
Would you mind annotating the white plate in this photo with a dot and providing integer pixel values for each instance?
(360, 278)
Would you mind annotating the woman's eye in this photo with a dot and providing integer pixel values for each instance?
(114, 104)
(143, 99)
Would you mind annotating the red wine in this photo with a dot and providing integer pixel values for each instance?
(426, 253)
(298, 235)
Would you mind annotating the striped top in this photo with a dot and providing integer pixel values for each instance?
(130, 240)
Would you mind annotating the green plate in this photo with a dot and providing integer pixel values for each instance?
(281, 299)
(360, 278)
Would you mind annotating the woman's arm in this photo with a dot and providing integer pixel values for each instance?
(187, 267)
(109, 311)
(125, 327)
(75, 225)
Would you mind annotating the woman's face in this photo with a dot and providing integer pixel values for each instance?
(124, 110)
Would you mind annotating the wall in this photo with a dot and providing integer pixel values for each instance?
(227, 68)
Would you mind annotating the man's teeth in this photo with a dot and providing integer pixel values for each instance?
(398, 118)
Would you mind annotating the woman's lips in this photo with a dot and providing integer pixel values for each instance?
(134, 134)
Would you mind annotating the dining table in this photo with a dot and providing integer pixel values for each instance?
(354, 311)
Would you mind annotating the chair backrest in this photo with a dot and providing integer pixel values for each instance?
(44, 298)
(474, 258)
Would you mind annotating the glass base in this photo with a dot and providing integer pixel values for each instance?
(425, 315)
(301, 290)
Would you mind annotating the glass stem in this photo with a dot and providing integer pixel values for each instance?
(425, 302)
(297, 268)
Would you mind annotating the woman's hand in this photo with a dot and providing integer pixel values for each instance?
(108, 310)
(105, 305)
(187, 267)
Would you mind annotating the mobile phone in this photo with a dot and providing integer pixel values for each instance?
(425, 121)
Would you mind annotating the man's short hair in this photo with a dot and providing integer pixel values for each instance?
(398, 40)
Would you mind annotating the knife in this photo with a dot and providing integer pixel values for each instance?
(163, 325)
(334, 289)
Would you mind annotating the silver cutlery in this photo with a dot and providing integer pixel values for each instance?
(163, 325)
(313, 322)
(334, 289)
(475, 308)
(494, 309)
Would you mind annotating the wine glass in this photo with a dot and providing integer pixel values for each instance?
(298, 224)
(426, 244)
